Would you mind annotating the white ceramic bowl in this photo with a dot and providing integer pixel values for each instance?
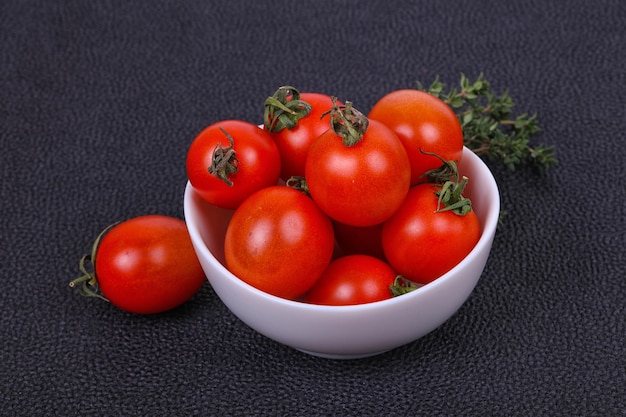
(345, 332)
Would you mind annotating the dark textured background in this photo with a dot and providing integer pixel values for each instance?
(99, 101)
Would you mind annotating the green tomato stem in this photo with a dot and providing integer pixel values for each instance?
(449, 196)
(284, 109)
(402, 286)
(224, 162)
(347, 122)
(451, 199)
(89, 280)
(298, 183)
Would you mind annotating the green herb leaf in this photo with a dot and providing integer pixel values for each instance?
(489, 127)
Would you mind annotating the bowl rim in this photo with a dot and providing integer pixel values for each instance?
(488, 228)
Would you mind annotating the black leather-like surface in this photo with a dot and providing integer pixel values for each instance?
(99, 101)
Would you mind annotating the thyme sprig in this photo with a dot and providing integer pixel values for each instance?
(490, 128)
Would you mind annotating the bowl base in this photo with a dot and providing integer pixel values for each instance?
(342, 357)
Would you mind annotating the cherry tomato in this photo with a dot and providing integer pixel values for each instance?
(353, 240)
(293, 144)
(353, 279)
(423, 122)
(362, 184)
(148, 265)
(422, 243)
(225, 173)
(279, 241)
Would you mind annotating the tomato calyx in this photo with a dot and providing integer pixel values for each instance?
(284, 109)
(298, 183)
(347, 122)
(89, 281)
(450, 198)
(402, 286)
(224, 162)
(450, 195)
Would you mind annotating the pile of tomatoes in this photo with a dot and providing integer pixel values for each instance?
(335, 207)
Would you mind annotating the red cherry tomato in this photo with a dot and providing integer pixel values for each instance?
(279, 241)
(422, 243)
(293, 144)
(423, 122)
(353, 279)
(148, 265)
(246, 165)
(362, 184)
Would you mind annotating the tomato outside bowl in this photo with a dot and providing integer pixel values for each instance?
(356, 331)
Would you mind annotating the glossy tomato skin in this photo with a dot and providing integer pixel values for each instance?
(279, 241)
(353, 279)
(258, 166)
(360, 185)
(147, 265)
(293, 144)
(423, 244)
(422, 122)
